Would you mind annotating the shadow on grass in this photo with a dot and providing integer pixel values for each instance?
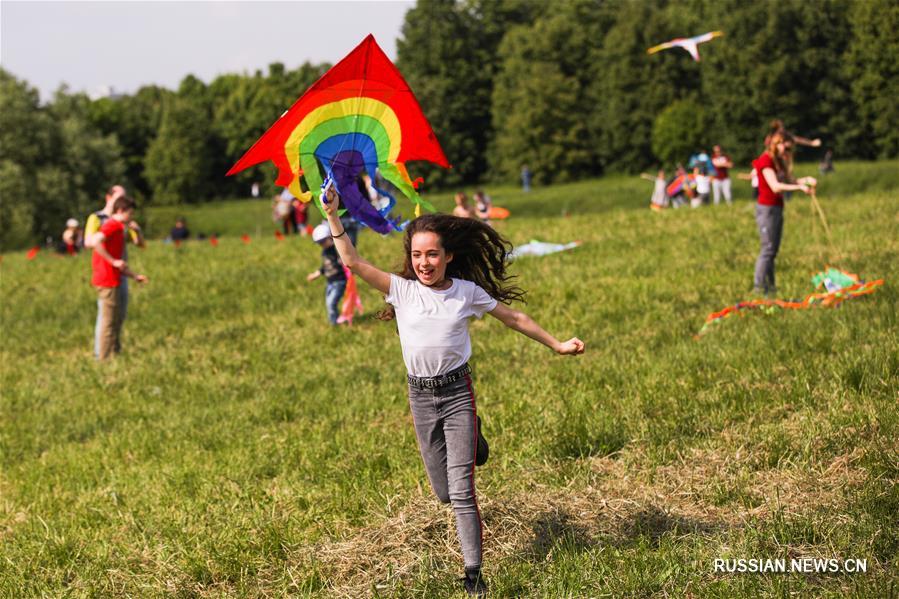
(652, 523)
(553, 531)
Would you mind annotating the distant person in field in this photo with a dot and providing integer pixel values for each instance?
(703, 185)
(72, 238)
(826, 165)
(109, 267)
(179, 232)
(135, 236)
(769, 210)
(721, 178)
(462, 209)
(300, 215)
(282, 211)
(331, 269)
(482, 205)
(753, 178)
(254, 190)
(454, 270)
(659, 198)
(525, 178)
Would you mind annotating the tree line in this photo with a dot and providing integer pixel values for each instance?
(565, 87)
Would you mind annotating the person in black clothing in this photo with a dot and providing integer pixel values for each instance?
(331, 269)
(180, 232)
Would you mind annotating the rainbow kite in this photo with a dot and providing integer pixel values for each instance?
(690, 44)
(839, 286)
(360, 115)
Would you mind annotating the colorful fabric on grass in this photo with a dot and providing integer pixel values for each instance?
(838, 287)
(681, 183)
(542, 248)
(360, 115)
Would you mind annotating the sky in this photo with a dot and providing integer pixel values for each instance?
(123, 45)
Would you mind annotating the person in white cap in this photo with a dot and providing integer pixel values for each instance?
(72, 238)
(331, 269)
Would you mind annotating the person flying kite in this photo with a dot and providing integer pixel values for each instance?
(690, 44)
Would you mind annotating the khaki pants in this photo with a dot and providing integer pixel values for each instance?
(111, 318)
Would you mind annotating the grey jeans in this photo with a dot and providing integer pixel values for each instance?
(770, 221)
(446, 427)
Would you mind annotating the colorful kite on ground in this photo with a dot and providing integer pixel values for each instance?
(681, 183)
(690, 44)
(360, 115)
(838, 287)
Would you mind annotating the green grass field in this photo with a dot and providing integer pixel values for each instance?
(240, 447)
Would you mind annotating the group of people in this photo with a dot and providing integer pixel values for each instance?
(708, 179)
(481, 209)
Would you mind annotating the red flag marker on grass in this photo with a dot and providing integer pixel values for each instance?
(214, 241)
(245, 238)
(279, 235)
(32, 253)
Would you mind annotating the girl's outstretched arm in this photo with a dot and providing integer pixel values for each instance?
(521, 322)
(372, 275)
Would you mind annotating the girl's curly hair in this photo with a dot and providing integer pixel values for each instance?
(480, 255)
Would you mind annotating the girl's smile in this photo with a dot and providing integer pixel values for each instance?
(429, 259)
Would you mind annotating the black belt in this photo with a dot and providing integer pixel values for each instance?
(430, 382)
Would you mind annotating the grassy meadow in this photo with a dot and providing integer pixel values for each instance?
(239, 447)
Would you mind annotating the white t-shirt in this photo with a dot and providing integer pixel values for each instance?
(702, 184)
(433, 324)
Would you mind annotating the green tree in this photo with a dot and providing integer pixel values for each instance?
(177, 162)
(447, 53)
(135, 120)
(628, 88)
(678, 131)
(541, 96)
(872, 65)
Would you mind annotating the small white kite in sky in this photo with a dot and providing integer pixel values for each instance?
(690, 44)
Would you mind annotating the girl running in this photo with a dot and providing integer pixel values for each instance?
(454, 268)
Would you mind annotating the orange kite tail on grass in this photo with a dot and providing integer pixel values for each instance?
(831, 298)
(690, 44)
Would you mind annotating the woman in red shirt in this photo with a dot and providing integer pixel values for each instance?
(772, 168)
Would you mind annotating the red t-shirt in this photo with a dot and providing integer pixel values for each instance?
(767, 197)
(720, 171)
(105, 275)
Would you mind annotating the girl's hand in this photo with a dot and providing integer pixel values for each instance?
(332, 199)
(141, 278)
(119, 264)
(572, 347)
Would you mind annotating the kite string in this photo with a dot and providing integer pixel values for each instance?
(816, 207)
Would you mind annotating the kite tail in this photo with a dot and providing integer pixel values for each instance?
(399, 176)
(352, 303)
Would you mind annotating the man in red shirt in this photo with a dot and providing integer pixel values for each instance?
(721, 182)
(108, 268)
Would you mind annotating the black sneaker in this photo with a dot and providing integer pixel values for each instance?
(474, 583)
(483, 451)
